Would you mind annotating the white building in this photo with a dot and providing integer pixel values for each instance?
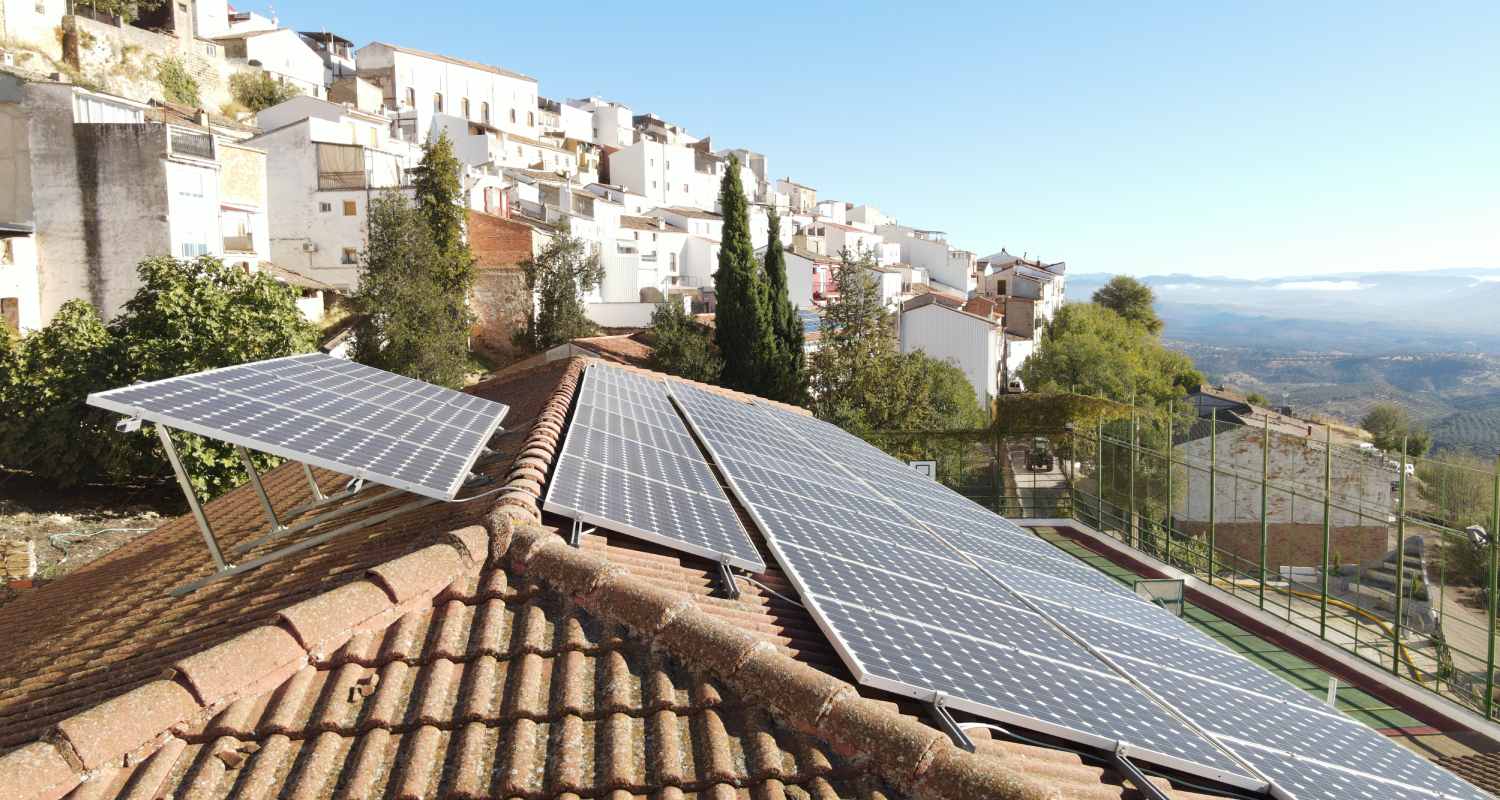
(327, 163)
(611, 124)
(832, 211)
(665, 174)
(281, 53)
(967, 334)
(103, 183)
(337, 54)
(800, 199)
(801, 273)
(1005, 275)
(868, 215)
(700, 252)
(929, 251)
(566, 120)
(419, 85)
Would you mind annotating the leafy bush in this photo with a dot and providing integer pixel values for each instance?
(680, 346)
(188, 316)
(257, 91)
(177, 84)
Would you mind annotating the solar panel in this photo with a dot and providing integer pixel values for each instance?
(921, 590)
(327, 412)
(629, 464)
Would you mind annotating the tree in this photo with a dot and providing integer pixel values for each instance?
(188, 316)
(1255, 398)
(1090, 349)
(558, 278)
(415, 276)
(680, 346)
(1390, 423)
(192, 316)
(44, 379)
(258, 91)
(127, 10)
(742, 318)
(786, 367)
(1130, 299)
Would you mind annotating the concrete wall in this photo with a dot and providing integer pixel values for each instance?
(125, 60)
(621, 315)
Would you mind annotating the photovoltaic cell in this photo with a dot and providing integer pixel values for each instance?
(629, 464)
(328, 412)
(923, 590)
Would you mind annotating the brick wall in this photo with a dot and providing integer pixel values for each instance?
(498, 242)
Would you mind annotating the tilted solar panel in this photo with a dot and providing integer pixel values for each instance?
(922, 590)
(327, 412)
(629, 464)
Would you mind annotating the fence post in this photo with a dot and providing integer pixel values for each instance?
(1494, 531)
(1132, 529)
(1171, 407)
(1213, 486)
(1265, 483)
(1400, 561)
(1327, 529)
(1099, 472)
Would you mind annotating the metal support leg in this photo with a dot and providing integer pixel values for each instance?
(260, 489)
(728, 587)
(945, 722)
(312, 483)
(575, 534)
(192, 498)
(1126, 767)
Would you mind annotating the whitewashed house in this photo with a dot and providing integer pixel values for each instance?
(611, 122)
(92, 184)
(326, 163)
(418, 86)
(968, 334)
(1005, 275)
(801, 273)
(665, 174)
(929, 251)
(281, 53)
(800, 199)
(337, 54)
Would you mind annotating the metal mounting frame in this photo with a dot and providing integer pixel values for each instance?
(728, 587)
(1120, 760)
(278, 528)
(938, 711)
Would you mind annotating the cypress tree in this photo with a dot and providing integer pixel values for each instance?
(742, 323)
(787, 362)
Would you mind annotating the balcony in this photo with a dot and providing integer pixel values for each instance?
(239, 244)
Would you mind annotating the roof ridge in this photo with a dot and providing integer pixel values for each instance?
(912, 756)
(131, 726)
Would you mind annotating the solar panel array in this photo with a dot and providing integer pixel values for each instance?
(630, 465)
(924, 591)
(328, 412)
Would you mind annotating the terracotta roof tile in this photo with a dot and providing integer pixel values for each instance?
(457, 661)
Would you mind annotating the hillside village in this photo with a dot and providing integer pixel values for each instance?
(108, 169)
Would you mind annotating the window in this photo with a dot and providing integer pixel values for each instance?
(684, 188)
(194, 249)
(437, 102)
(350, 209)
(351, 256)
(210, 50)
(411, 98)
(484, 113)
(672, 261)
(8, 252)
(10, 311)
(531, 118)
(325, 207)
(465, 105)
(512, 115)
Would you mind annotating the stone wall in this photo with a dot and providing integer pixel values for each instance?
(124, 60)
(500, 303)
(1294, 545)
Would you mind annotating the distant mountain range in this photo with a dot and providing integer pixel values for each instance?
(1365, 313)
(1337, 344)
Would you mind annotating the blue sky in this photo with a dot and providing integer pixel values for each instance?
(1294, 138)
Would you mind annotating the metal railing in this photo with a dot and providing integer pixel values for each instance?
(1394, 564)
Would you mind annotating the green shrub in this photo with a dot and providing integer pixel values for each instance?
(258, 91)
(188, 316)
(177, 84)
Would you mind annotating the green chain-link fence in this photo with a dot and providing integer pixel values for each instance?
(1302, 521)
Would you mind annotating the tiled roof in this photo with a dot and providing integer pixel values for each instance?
(695, 213)
(642, 223)
(453, 659)
(1482, 770)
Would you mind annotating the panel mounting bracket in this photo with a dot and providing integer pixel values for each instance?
(727, 587)
(938, 711)
(1120, 759)
(576, 532)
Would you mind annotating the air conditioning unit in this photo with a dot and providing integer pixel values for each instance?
(309, 247)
